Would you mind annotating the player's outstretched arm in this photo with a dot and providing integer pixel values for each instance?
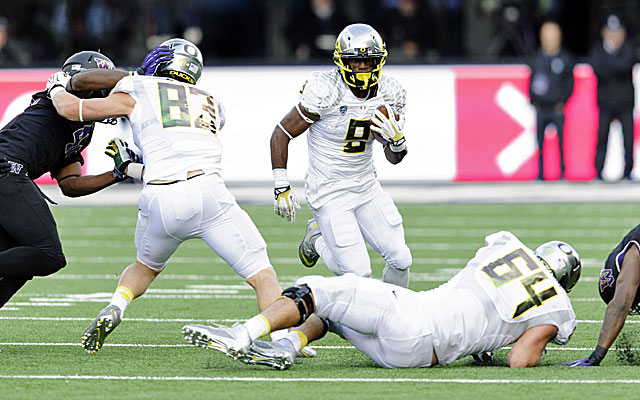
(616, 314)
(527, 350)
(73, 184)
(292, 125)
(95, 79)
(76, 109)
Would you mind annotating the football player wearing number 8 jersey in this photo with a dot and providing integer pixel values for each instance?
(175, 124)
(349, 207)
(506, 295)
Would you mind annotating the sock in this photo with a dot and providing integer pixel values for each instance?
(297, 339)
(121, 298)
(257, 326)
(396, 276)
(277, 335)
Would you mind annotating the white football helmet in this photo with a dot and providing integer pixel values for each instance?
(186, 63)
(360, 41)
(563, 261)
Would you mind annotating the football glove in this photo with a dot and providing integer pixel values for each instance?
(389, 128)
(579, 363)
(5, 167)
(152, 60)
(285, 203)
(122, 156)
(56, 83)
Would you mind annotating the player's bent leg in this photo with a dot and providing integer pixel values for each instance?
(266, 285)
(135, 280)
(396, 271)
(341, 246)
(365, 305)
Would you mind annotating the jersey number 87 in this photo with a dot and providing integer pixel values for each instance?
(175, 107)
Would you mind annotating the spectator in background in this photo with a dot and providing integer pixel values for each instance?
(550, 87)
(406, 29)
(612, 61)
(314, 29)
(11, 55)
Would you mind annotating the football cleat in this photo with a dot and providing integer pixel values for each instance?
(307, 251)
(279, 354)
(307, 352)
(234, 341)
(484, 358)
(106, 321)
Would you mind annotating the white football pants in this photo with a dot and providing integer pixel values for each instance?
(383, 321)
(201, 207)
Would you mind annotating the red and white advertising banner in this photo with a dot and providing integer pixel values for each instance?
(463, 123)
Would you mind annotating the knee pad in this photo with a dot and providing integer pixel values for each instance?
(301, 295)
(401, 259)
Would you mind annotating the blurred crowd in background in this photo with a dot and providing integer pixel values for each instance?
(42, 33)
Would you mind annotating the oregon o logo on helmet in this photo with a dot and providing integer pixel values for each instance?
(190, 50)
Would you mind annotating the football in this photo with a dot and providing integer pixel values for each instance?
(384, 111)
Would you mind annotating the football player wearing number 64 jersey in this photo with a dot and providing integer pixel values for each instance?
(506, 295)
(340, 110)
(175, 124)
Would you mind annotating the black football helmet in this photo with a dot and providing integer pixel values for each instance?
(88, 60)
(186, 63)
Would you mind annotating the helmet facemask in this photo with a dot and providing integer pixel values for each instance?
(360, 41)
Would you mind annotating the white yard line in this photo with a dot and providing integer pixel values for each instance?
(77, 344)
(364, 380)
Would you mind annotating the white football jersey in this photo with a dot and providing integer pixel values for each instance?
(175, 126)
(501, 293)
(340, 142)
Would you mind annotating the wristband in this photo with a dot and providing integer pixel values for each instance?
(280, 178)
(134, 170)
(397, 149)
(55, 90)
(598, 355)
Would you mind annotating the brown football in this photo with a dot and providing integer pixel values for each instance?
(376, 135)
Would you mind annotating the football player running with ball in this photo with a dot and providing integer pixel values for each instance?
(507, 294)
(339, 109)
(175, 124)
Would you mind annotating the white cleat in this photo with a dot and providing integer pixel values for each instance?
(234, 341)
(279, 354)
(307, 352)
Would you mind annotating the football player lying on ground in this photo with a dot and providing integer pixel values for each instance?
(38, 141)
(619, 287)
(507, 294)
(175, 124)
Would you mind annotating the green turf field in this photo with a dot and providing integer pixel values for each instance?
(146, 357)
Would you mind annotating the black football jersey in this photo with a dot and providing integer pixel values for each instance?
(43, 140)
(611, 269)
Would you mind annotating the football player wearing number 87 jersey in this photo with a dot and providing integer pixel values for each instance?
(175, 124)
(349, 207)
(506, 295)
